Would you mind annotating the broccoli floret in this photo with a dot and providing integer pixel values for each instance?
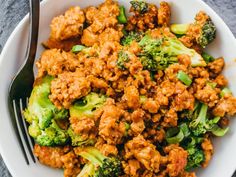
(87, 105)
(131, 36)
(104, 166)
(157, 54)
(123, 58)
(139, 6)
(202, 124)
(78, 140)
(207, 31)
(52, 136)
(195, 158)
(41, 115)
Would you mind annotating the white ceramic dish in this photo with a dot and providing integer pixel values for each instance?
(223, 163)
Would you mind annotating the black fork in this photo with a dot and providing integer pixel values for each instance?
(22, 84)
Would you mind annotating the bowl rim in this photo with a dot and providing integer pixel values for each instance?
(44, 3)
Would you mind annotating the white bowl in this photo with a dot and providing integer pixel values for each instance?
(223, 163)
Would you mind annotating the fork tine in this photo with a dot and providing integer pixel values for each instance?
(27, 138)
(19, 133)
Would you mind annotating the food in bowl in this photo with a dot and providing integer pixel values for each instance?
(136, 96)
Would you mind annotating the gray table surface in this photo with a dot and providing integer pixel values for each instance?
(12, 11)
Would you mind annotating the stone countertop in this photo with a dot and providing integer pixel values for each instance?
(11, 12)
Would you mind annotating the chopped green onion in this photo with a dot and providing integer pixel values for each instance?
(208, 58)
(174, 135)
(127, 126)
(122, 17)
(77, 48)
(225, 91)
(212, 84)
(142, 99)
(183, 77)
(179, 28)
(184, 128)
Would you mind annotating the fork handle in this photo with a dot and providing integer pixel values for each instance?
(33, 32)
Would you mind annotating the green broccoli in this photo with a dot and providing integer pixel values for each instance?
(78, 140)
(99, 165)
(195, 157)
(131, 36)
(123, 58)
(139, 6)
(206, 35)
(87, 105)
(202, 124)
(41, 115)
(158, 54)
(51, 136)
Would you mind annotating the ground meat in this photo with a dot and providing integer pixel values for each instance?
(100, 18)
(68, 25)
(221, 81)
(106, 149)
(151, 105)
(177, 160)
(54, 62)
(71, 164)
(110, 129)
(83, 126)
(89, 38)
(144, 21)
(187, 174)
(207, 95)
(68, 87)
(216, 66)
(170, 118)
(164, 14)
(226, 106)
(183, 98)
(110, 34)
(65, 45)
(154, 135)
(131, 168)
(144, 152)
(50, 156)
(208, 151)
(131, 97)
(184, 60)
(137, 126)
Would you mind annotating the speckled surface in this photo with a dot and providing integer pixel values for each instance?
(12, 11)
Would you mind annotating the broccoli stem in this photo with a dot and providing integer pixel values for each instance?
(179, 28)
(93, 155)
(183, 77)
(122, 17)
(88, 170)
(77, 48)
(201, 117)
